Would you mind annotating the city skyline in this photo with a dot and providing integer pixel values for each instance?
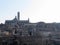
(35, 10)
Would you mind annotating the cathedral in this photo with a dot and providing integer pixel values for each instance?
(25, 27)
(27, 33)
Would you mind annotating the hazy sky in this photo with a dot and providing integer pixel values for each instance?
(35, 10)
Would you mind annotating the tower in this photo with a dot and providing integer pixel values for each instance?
(18, 15)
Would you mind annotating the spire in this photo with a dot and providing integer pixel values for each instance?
(15, 16)
(18, 15)
(28, 19)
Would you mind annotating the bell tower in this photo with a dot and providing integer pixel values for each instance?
(18, 16)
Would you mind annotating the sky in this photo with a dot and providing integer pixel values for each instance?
(36, 10)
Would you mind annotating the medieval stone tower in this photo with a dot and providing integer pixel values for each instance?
(18, 15)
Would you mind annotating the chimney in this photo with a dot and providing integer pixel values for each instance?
(18, 15)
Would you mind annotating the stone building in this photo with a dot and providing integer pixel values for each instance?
(27, 33)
